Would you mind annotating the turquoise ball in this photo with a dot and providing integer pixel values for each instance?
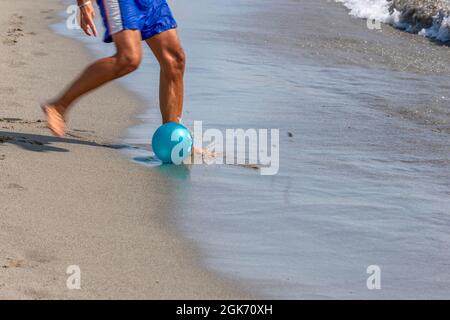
(172, 143)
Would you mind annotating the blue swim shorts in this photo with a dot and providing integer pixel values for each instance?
(149, 16)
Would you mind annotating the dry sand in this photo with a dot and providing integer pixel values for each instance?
(74, 200)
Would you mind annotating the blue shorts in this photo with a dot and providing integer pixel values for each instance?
(149, 16)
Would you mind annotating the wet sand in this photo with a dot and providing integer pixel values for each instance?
(76, 200)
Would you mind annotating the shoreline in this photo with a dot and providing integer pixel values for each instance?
(76, 200)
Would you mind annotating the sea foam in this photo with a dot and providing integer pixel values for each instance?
(430, 18)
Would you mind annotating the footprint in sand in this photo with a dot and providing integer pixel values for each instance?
(12, 263)
(86, 135)
(16, 64)
(7, 121)
(82, 130)
(15, 30)
(15, 186)
(39, 53)
(11, 123)
(10, 119)
(31, 259)
(20, 121)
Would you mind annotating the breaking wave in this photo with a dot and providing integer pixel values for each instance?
(429, 18)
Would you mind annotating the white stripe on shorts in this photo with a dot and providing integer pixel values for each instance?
(114, 15)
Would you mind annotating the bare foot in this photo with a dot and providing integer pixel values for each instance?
(55, 119)
(201, 154)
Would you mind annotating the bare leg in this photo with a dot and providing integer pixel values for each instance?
(126, 60)
(167, 49)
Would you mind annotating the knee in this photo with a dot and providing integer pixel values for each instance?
(174, 64)
(128, 62)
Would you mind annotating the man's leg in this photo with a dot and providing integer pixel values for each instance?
(126, 60)
(167, 49)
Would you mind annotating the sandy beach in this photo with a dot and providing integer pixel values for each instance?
(75, 200)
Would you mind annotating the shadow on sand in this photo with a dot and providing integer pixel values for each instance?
(42, 143)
